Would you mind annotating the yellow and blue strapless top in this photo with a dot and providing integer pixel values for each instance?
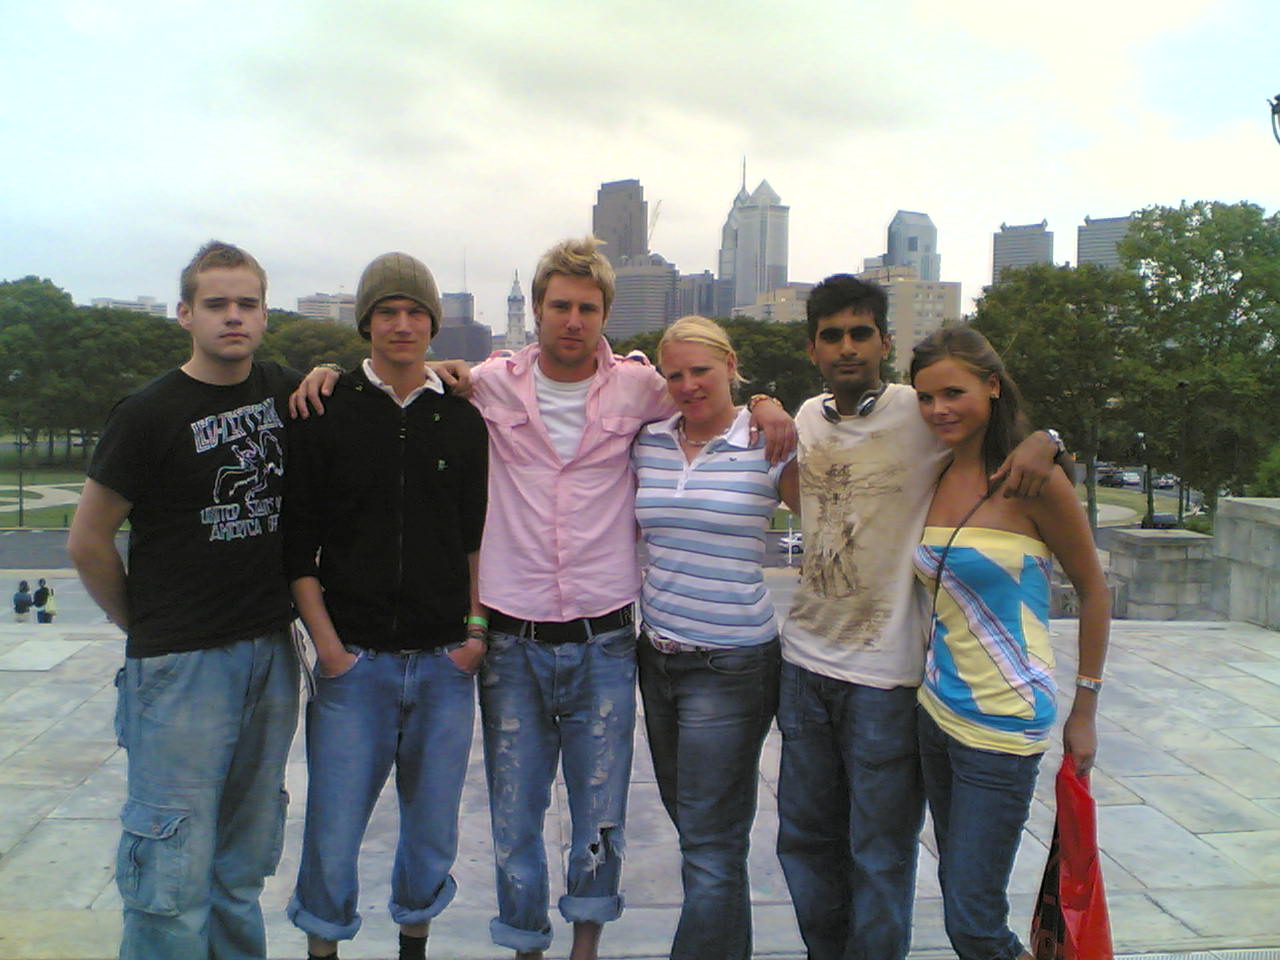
(988, 678)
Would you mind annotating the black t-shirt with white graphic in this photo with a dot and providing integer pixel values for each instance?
(203, 466)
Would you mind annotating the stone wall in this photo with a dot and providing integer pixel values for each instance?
(1162, 575)
(1246, 552)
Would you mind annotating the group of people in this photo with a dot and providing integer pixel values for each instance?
(495, 511)
(41, 600)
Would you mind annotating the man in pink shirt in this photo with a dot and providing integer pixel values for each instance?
(559, 574)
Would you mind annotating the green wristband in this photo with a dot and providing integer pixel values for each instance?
(474, 621)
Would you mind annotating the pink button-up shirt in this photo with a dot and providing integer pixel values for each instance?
(560, 537)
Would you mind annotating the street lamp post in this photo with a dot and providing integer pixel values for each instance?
(14, 377)
(1275, 117)
(1149, 520)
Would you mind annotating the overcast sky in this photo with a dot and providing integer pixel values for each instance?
(319, 134)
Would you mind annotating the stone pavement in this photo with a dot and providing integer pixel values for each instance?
(1188, 783)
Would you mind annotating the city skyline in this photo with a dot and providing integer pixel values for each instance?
(484, 135)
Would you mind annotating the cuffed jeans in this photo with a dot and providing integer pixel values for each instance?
(707, 713)
(413, 710)
(979, 800)
(207, 734)
(850, 809)
(540, 702)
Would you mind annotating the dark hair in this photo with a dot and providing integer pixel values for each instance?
(213, 254)
(967, 347)
(844, 291)
(23, 587)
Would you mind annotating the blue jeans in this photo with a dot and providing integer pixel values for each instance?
(411, 710)
(207, 733)
(850, 809)
(707, 713)
(540, 702)
(979, 801)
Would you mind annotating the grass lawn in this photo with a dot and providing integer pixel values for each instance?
(44, 517)
(34, 475)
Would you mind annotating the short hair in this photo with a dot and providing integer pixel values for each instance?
(215, 253)
(844, 291)
(1007, 425)
(574, 258)
(707, 333)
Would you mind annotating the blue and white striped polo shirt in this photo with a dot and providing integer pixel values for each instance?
(704, 525)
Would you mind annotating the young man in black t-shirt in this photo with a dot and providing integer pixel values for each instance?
(389, 488)
(208, 694)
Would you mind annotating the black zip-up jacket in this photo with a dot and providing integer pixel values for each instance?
(392, 499)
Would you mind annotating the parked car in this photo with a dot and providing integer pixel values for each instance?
(1166, 481)
(1132, 476)
(1111, 478)
(791, 543)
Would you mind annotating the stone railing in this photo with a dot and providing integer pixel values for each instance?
(1179, 575)
(1246, 558)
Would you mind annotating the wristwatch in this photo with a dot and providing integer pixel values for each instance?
(1056, 437)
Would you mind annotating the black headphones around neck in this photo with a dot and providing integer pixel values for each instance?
(866, 403)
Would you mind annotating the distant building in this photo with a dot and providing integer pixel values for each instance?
(644, 296)
(1020, 246)
(149, 305)
(916, 307)
(329, 306)
(515, 337)
(913, 242)
(787, 304)
(1096, 240)
(753, 244)
(458, 309)
(871, 263)
(460, 337)
(696, 294)
(620, 218)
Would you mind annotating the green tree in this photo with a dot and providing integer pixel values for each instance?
(1211, 273)
(1069, 338)
(1267, 483)
(301, 342)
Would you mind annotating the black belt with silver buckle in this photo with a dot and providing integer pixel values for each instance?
(561, 631)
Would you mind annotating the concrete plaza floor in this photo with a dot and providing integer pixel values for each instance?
(1188, 785)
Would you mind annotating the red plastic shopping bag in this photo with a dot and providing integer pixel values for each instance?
(1070, 920)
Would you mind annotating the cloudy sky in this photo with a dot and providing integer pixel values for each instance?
(320, 133)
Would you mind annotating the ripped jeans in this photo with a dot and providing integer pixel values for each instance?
(540, 702)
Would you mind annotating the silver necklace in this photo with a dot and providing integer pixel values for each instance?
(684, 437)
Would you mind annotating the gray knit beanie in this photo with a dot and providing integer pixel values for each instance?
(396, 275)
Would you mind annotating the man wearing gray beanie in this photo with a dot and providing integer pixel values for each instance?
(389, 489)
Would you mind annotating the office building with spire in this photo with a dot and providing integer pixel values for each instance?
(913, 242)
(753, 244)
(620, 218)
(515, 338)
(1020, 246)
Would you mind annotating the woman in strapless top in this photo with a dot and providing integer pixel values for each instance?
(989, 701)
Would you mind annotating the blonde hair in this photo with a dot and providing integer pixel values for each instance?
(216, 254)
(707, 333)
(574, 258)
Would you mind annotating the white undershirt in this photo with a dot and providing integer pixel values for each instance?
(563, 407)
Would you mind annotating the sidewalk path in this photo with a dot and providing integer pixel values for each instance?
(1188, 784)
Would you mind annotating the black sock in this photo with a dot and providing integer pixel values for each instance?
(412, 948)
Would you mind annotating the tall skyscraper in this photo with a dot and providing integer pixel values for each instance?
(913, 242)
(459, 335)
(1096, 240)
(620, 219)
(515, 315)
(1020, 246)
(753, 244)
(644, 296)
(916, 307)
